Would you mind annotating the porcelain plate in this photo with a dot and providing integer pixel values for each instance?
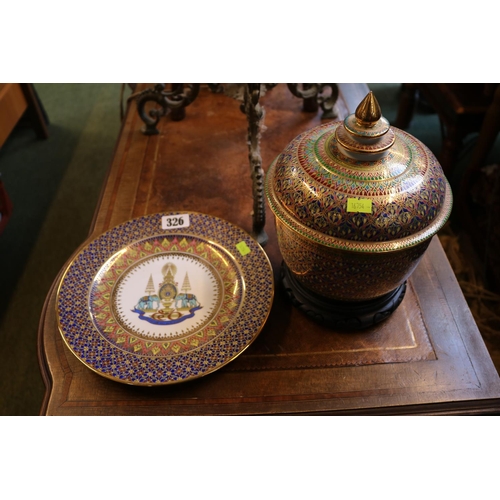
(164, 298)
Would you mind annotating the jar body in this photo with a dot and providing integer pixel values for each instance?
(343, 275)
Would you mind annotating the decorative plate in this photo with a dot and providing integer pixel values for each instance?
(165, 298)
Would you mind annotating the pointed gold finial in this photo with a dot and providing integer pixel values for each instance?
(368, 112)
(366, 134)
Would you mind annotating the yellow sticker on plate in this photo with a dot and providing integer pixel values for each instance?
(243, 248)
(359, 205)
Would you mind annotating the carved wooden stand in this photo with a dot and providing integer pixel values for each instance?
(339, 315)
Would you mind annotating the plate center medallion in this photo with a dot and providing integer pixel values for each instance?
(167, 296)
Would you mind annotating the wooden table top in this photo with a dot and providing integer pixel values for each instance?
(427, 358)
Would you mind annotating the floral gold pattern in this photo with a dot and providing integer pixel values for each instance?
(310, 182)
(341, 275)
(359, 255)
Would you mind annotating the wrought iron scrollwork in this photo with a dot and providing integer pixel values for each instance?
(315, 94)
(173, 99)
(248, 95)
(255, 117)
(178, 96)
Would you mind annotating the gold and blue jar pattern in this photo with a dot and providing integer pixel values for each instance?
(356, 203)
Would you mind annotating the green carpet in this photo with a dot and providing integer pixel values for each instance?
(54, 185)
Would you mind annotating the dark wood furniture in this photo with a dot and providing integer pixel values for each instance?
(461, 108)
(464, 109)
(18, 100)
(428, 358)
(5, 207)
(478, 197)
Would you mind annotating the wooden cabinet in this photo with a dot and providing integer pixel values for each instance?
(15, 100)
(12, 106)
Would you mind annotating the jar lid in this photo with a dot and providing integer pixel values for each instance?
(359, 184)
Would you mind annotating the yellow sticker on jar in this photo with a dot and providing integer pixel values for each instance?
(359, 205)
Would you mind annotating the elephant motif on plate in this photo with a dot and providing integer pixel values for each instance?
(148, 303)
(186, 300)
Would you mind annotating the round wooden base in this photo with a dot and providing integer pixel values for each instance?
(340, 315)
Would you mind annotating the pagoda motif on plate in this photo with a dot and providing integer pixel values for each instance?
(168, 306)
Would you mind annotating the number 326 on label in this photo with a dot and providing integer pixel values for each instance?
(175, 221)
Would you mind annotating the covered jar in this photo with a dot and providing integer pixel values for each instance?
(356, 203)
